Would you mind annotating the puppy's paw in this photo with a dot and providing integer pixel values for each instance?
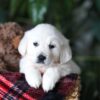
(34, 80)
(50, 78)
(48, 84)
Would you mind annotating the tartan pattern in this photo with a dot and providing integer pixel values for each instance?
(13, 86)
(13, 91)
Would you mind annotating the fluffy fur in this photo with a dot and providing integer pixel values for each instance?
(47, 41)
(10, 35)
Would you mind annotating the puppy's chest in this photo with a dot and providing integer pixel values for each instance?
(42, 68)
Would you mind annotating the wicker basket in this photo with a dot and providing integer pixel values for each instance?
(75, 93)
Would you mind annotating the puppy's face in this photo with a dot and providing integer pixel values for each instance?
(45, 45)
(44, 50)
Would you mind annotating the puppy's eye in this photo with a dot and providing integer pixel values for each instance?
(51, 46)
(35, 44)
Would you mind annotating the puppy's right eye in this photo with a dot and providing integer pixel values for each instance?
(51, 46)
(35, 44)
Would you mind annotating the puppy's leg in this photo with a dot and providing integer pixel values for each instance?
(50, 78)
(53, 74)
(32, 75)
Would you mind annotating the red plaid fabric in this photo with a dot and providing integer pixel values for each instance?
(13, 86)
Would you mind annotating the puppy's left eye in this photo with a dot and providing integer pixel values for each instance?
(51, 46)
(35, 44)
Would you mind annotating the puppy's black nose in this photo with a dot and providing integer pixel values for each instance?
(41, 58)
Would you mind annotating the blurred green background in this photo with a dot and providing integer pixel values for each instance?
(79, 20)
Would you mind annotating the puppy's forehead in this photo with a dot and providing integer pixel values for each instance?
(45, 30)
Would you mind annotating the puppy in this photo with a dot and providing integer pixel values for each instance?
(45, 50)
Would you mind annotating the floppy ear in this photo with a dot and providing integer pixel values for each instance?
(23, 44)
(66, 53)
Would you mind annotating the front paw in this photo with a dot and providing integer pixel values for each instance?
(50, 78)
(34, 80)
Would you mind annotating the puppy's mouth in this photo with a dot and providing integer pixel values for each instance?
(40, 62)
(43, 62)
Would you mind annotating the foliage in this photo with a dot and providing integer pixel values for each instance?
(79, 20)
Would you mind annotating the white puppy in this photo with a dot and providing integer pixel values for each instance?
(45, 50)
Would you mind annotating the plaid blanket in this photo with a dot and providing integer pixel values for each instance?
(13, 86)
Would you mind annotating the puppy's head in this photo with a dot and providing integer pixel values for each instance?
(44, 44)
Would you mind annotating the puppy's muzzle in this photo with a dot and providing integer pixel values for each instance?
(41, 58)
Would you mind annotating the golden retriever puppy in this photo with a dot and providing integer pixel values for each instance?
(45, 50)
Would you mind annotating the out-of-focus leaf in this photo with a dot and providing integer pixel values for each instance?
(97, 2)
(96, 29)
(69, 4)
(3, 16)
(37, 9)
(15, 6)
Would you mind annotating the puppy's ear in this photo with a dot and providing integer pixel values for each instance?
(23, 44)
(66, 53)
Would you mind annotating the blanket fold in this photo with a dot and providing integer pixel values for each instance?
(13, 86)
